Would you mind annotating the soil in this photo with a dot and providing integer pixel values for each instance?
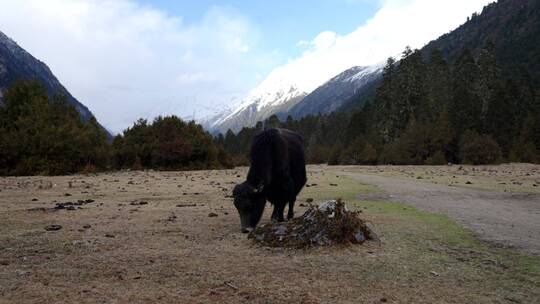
(154, 237)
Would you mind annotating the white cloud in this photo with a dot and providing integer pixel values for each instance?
(125, 61)
(397, 24)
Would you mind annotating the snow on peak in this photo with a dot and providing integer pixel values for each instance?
(275, 90)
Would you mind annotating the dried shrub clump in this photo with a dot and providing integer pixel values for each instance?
(331, 223)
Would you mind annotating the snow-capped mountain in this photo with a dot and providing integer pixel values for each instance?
(337, 91)
(278, 94)
(274, 95)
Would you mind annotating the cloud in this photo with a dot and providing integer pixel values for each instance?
(125, 61)
(397, 24)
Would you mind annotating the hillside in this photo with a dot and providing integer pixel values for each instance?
(513, 26)
(337, 91)
(470, 96)
(18, 64)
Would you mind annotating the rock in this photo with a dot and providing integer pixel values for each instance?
(53, 227)
(109, 235)
(141, 203)
(186, 205)
(309, 200)
(212, 214)
(87, 226)
(42, 209)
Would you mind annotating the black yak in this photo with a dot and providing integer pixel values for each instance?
(277, 173)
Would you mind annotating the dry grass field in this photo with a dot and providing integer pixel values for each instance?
(174, 237)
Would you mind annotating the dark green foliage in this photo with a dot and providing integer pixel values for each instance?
(43, 136)
(334, 157)
(479, 149)
(437, 159)
(512, 26)
(168, 143)
(427, 111)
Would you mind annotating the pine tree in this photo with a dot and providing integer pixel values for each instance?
(438, 85)
(465, 108)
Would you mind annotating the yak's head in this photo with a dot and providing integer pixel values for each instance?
(249, 201)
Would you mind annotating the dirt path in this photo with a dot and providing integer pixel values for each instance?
(506, 219)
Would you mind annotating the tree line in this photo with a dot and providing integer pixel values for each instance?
(425, 111)
(43, 135)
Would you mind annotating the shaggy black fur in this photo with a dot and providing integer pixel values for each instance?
(277, 174)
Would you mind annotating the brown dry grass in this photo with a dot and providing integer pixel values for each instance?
(170, 252)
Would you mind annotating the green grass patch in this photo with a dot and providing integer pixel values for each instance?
(424, 246)
(331, 187)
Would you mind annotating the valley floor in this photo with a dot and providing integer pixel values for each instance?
(503, 217)
(174, 237)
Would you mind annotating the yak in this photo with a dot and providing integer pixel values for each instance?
(277, 173)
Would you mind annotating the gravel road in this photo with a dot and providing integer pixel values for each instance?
(504, 219)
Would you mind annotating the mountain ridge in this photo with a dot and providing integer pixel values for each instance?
(336, 92)
(275, 96)
(18, 64)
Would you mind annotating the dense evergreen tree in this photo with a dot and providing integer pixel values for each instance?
(427, 111)
(168, 143)
(42, 135)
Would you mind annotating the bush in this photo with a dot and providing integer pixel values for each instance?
(45, 135)
(479, 149)
(368, 156)
(437, 159)
(526, 153)
(168, 143)
(334, 156)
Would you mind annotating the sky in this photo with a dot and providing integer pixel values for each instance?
(130, 59)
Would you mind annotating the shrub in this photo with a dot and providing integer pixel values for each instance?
(526, 153)
(368, 156)
(334, 156)
(479, 149)
(437, 159)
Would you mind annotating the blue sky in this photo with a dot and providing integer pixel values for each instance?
(283, 23)
(130, 59)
